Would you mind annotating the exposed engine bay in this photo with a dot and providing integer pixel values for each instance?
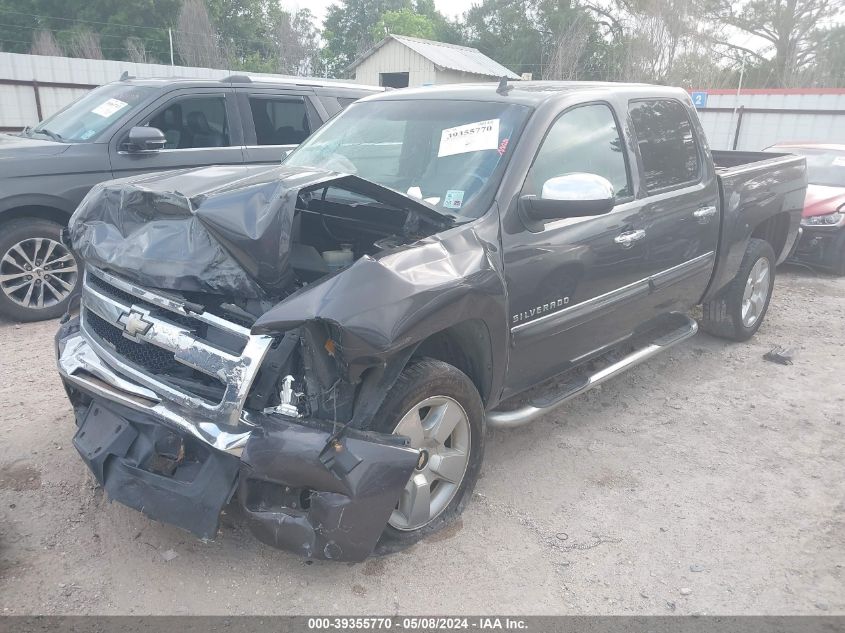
(235, 242)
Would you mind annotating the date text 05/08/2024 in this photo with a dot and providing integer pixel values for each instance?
(415, 623)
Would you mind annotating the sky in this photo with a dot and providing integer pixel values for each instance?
(449, 8)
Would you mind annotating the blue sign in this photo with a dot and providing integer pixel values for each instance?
(699, 99)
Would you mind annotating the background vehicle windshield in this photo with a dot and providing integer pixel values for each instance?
(448, 153)
(83, 120)
(824, 166)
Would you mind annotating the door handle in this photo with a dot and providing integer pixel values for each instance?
(627, 239)
(704, 214)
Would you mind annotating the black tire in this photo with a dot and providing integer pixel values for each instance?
(420, 380)
(18, 231)
(722, 316)
(839, 266)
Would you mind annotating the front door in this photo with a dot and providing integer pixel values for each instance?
(576, 285)
(201, 129)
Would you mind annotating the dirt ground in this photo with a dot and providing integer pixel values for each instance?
(704, 481)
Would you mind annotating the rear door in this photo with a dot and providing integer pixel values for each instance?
(576, 285)
(202, 127)
(680, 217)
(275, 121)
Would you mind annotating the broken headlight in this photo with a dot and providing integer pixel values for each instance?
(836, 218)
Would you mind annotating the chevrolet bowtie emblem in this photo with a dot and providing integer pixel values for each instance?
(134, 325)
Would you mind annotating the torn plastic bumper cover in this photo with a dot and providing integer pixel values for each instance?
(298, 491)
(300, 487)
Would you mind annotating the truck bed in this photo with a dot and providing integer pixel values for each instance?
(726, 160)
(753, 187)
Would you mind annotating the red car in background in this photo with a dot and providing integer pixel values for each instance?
(822, 243)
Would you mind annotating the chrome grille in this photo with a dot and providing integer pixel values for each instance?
(154, 359)
(199, 365)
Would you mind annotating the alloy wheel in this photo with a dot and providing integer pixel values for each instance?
(756, 292)
(439, 427)
(37, 273)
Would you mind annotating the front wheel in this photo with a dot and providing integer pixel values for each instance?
(738, 311)
(38, 274)
(438, 408)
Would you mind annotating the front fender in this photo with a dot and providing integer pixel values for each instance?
(37, 200)
(381, 305)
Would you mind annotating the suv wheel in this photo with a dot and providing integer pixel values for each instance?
(738, 311)
(38, 274)
(439, 409)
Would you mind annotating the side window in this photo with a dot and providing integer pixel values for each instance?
(667, 143)
(193, 122)
(587, 140)
(279, 121)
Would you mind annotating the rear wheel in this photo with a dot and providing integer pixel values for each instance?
(738, 311)
(38, 274)
(438, 408)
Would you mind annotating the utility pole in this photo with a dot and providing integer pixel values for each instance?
(170, 37)
(731, 133)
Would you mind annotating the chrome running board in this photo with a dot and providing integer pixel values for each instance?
(542, 405)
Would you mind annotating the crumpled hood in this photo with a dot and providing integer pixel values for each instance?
(223, 230)
(821, 200)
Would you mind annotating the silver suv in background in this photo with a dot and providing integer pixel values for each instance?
(126, 128)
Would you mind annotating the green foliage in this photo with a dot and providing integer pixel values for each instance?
(674, 41)
(353, 26)
(403, 22)
(149, 20)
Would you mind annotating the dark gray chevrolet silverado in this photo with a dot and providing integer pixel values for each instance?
(326, 341)
(128, 127)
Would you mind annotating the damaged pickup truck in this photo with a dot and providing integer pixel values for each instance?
(326, 341)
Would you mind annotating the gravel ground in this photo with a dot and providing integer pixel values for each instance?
(704, 481)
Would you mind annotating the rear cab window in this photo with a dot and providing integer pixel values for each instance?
(279, 120)
(667, 144)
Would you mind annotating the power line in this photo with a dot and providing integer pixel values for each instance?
(112, 24)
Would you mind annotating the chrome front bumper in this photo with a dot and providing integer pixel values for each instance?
(88, 362)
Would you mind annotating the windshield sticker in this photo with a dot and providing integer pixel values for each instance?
(88, 134)
(454, 199)
(108, 108)
(839, 161)
(473, 137)
(503, 147)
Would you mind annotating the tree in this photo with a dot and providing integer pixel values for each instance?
(348, 29)
(506, 31)
(136, 51)
(196, 39)
(555, 39)
(296, 42)
(829, 68)
(43, 43)
(789, 28)
(113, 22)
(86, 44)
(404, 22)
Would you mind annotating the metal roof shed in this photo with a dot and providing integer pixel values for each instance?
(399, 61)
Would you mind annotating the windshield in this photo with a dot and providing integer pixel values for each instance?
(824, 166)
(84, 119)
(448, 153)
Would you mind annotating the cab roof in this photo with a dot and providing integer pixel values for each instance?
(531, 93)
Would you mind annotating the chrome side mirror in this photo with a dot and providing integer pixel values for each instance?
(570, 196)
